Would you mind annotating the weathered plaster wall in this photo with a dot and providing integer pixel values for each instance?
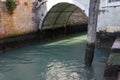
(109, 17)
(22, 21)
(24, 17)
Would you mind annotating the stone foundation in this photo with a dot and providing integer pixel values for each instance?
(105, 40)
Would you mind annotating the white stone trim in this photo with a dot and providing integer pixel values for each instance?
(117, 3)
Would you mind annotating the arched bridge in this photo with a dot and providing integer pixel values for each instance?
(56, 13)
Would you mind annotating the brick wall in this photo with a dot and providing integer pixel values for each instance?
(22, 21)
(77, 18)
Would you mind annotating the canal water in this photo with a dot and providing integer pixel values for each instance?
(61, 59)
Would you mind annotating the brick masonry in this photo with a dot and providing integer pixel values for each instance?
(78, 17)
(22, 21)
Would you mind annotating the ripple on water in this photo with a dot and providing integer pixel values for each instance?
(59, 60)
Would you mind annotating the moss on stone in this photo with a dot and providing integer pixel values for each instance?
(114, 59)
(11, 5)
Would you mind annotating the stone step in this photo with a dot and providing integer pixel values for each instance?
(116, 46)
(119, 76)
(114, 59)
(112, 69)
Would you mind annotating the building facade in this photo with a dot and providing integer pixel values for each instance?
(109, 16)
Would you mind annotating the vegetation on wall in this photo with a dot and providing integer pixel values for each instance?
(11, 5)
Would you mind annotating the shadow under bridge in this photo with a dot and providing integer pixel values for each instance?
(64, 18)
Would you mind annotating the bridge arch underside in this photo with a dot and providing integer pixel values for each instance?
(59, 16)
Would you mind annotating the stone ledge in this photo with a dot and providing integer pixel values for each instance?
(114, 59)
(112, 69)
(116, 46)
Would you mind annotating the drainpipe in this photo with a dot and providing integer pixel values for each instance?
(91, 34)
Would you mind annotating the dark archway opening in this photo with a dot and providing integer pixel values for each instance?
(64, 18)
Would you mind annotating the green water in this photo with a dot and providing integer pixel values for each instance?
(62, 59)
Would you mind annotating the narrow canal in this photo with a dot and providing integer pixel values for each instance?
(61, 59)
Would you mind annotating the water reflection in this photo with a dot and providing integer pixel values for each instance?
(61, 71)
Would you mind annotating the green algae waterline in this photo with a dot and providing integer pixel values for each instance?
(62, 59)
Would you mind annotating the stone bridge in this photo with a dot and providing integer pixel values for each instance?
(32, 15)
(56, 13)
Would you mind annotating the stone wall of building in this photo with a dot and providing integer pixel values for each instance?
(108, 18)
(21, 22)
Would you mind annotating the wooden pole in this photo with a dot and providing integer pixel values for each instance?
(91, 34)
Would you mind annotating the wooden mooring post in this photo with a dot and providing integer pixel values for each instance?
(91, 34)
